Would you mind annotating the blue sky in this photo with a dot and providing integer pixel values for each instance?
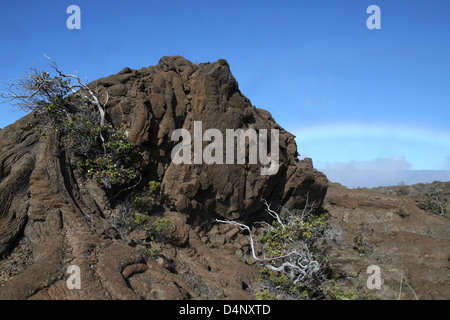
(354, 97)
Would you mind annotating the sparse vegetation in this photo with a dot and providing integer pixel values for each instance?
(72, 110)
(146, 200)
(432, 200)
(403, 189)
(264, 295)
(357, 292)
(403, 211)
(360, 244)
(139, 215)
(294, 260)
(429, 197)
(147, 252)
(426, 233)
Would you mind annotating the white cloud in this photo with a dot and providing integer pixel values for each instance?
(383, 164)
(380, 172)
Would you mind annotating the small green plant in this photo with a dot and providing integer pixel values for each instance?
(360, 244)
(284, 286)
(145, 201)
(138, 219)
(140, 216)
(159, 228)
(403, 211)
(264, 295)
(426, 233)
(142, 204)
(147, 252)
(278, 279)
(334, 292)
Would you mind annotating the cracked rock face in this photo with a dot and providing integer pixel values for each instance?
(153, 102)
(51, 218)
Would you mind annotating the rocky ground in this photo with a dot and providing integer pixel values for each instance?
(412, 252)
(215, 263)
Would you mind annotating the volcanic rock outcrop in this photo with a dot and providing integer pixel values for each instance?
(52, 218)
(155, 101)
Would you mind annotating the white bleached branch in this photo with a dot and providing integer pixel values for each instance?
(297, 263)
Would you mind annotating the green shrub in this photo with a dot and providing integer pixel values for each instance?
(433, 200)
(147, 252)
(264, 295)
(140, 215)
(335, 292)
(403, 211)
(295, 234)
(145, 201)
(69, 108)
(403, 189)
(159, 228)
(426, 233)
(141, 206)
(360, 244)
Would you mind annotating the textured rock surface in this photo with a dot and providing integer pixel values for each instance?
(51, 218)
(153, 102)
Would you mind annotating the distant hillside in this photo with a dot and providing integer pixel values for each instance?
(376, 178)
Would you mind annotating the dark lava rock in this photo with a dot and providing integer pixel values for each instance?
(65, 219)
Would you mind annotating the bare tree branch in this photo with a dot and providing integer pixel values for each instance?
(73, 109)
(298, 263)
(272, 213)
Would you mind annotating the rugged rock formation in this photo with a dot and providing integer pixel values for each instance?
(155, 101)
(51, 218)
